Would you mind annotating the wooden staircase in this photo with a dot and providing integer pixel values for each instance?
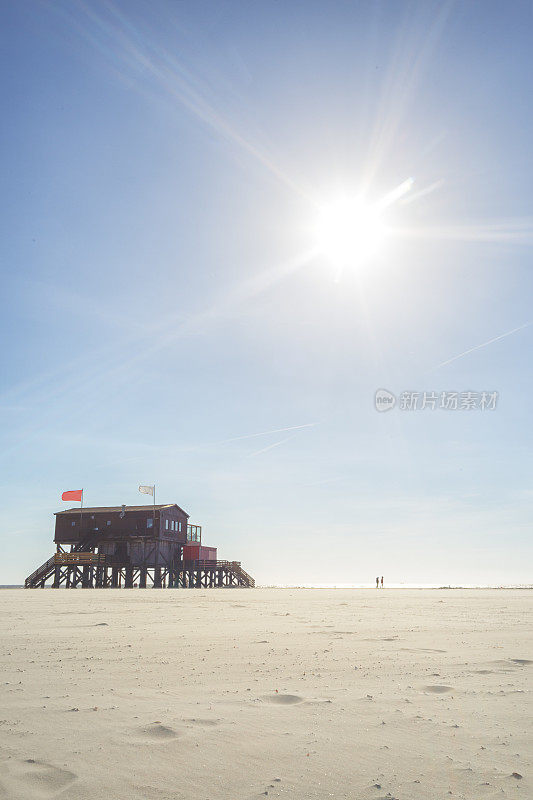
(80, 558)
(242, 576)
(232, 570)
(40, 576)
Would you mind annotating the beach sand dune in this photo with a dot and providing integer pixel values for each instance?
(240, 694)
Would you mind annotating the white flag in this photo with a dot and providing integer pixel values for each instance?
(147, 490)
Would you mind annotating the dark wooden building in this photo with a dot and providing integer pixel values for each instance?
(142, 535)
(132, 546)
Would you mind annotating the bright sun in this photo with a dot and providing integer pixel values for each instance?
(350, 232)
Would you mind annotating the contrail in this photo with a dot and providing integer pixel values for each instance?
(485, 344)
(267, 433)
(271, 446)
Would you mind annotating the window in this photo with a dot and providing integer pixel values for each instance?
(149, 523)
(73, 524)
(173, 525)
(180, 527)
(108, 522)
(166, 524)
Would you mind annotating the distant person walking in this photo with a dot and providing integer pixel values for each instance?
(377, 583)
(382, 581)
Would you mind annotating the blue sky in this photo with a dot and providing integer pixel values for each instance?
(165, 315)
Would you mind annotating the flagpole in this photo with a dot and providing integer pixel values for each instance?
(81, 516)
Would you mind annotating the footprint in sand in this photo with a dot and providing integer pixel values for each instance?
(521, 661)
(319, 702)
(157, 732)
(203, 721)
(380, 638)
(283, 699)
(438, 688)
(32, 778)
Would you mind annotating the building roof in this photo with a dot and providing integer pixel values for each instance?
(118, 509)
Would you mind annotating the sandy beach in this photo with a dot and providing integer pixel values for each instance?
(238, 694)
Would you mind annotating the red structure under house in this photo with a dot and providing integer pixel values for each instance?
(133, 546)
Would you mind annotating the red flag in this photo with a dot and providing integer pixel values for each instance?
(75, 494)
